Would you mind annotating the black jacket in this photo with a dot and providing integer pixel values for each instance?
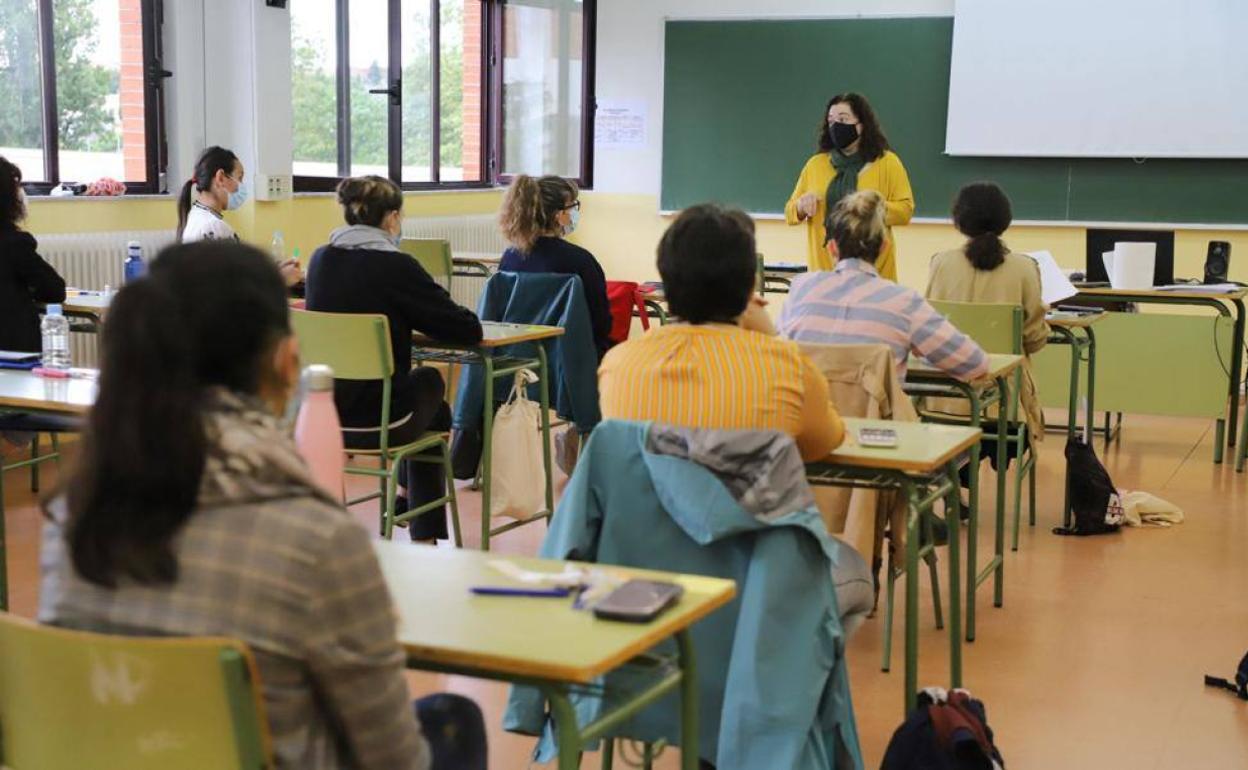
(25, 279)
(392, 284)
(555, 255)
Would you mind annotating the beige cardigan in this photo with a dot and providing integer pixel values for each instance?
(1016, 281)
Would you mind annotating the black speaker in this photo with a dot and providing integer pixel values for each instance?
(1217, 262)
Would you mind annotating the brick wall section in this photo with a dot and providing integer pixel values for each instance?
(133, 135)
(472, 90)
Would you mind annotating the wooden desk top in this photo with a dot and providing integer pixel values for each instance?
(29, 391)
(85, 304)
(1193, 293)
(999, 365)
(440, 622)
(921, 447)
(497, 335)
(1073, 320)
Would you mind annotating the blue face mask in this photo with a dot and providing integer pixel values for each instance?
(237, 198)
(574, 219)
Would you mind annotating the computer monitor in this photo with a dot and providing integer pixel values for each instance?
(1101, 240)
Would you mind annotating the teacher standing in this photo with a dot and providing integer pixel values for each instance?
(853, 155)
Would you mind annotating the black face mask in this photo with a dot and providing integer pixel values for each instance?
(843, 135)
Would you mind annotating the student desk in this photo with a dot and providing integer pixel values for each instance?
(542, 642)
(1075, 330)
(26, 392)
(923, 467)
(922, 379)
(489, 354)
(1122, 334)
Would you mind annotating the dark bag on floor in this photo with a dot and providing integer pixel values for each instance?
(945, 731)
(1239, 686)
(1093, 498)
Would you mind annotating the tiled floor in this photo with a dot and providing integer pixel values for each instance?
(1094, 662)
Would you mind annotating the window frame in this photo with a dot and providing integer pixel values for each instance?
(156, 146)
(491, 126)
(589, 104)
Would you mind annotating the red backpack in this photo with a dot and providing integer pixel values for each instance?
(624, 297)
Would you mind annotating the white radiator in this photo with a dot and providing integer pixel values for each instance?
(471, 237)
(93, 261)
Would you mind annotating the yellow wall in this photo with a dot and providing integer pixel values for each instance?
(305, 221)
(623, 230)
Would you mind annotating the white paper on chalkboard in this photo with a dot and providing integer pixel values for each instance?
(1054, 285)
(619, 124)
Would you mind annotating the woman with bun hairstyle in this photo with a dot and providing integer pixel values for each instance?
(362, 270)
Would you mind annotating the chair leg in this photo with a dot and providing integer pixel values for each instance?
(390, 483)
(937, 609)
(34, 467)
(885, 664)
(451, 497)
(1031, 492)
(1021, 469)
(608, 753)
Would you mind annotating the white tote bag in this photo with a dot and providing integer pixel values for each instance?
(517, 474)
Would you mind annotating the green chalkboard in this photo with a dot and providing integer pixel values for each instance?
(743, 100)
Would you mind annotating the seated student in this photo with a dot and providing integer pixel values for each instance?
(362, 270)
(721, 366)
(536, 215)
(190, 512)
(985, 270)
(217, 184)
(853, 305)
(25, 279)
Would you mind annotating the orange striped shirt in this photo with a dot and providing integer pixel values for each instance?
(719, 376)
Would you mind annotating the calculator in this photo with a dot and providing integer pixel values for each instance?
(877, 437)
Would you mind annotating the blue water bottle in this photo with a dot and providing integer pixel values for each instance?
(133, 267)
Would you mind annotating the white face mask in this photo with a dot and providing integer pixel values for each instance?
(574, 219)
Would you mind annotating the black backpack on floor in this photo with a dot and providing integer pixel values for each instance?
(1093, 498)
(1239, 686)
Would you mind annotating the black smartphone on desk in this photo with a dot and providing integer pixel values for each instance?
(638, 601)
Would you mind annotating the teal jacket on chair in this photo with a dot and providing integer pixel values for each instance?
(772, 677)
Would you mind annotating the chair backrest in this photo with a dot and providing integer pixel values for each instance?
(75, 699)
(433, 254)
(998, 328)
(355, 345)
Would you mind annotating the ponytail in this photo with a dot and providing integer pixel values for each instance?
(144, 448)
(184, 207)
(982, 213)
(531, 206)
(206, 315)
(210, 161)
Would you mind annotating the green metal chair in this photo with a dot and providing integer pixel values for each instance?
(72, 699)
(998, 328)
(434, 255)
(357, 347)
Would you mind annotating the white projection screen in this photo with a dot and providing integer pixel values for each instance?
(1099, 78)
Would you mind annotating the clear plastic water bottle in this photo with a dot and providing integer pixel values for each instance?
(278, 247)
(55, 330)
(133, 268)
(318, 431)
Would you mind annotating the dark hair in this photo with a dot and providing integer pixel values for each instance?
(366, 200)
(982, 213)
(210, 161)
(709, 264)
(530, 207)
(856, 223)
(872, 144)
(206, 315)
(12, 209)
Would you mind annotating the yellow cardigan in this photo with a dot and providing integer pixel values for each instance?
(885, 175)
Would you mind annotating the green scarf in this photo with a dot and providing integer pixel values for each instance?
(846, 180)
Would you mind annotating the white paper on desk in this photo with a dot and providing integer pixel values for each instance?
(1130, 265)
(1054, 285)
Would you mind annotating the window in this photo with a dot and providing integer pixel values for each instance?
(423, 92)
(82, 88)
